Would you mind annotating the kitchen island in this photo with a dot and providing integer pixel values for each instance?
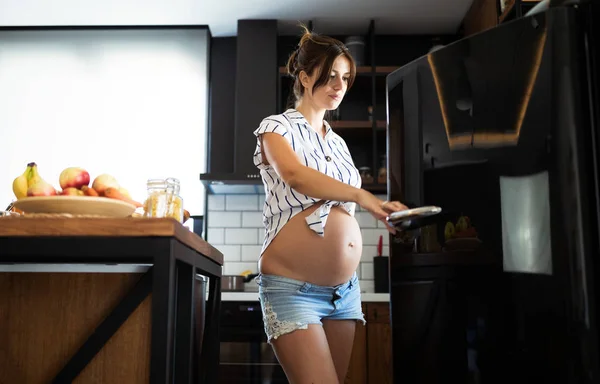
(107, 300)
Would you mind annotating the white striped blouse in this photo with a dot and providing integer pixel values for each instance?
(327, 155)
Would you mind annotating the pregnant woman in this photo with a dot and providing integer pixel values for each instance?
(308, 287)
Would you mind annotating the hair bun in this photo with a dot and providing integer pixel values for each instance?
(292, 64)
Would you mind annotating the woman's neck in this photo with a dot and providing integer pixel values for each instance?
(313, 115)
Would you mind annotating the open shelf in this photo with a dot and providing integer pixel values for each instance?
(375, 188)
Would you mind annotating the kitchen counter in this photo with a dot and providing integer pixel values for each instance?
(367, 297)
(253, 296)
(74, 268)
(125, 311)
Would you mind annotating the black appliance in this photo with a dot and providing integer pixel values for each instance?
(245, 355)
(499, 129)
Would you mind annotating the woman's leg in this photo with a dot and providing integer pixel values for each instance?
(305, 357)
(340, 337)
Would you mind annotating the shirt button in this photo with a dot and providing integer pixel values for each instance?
(327, 158)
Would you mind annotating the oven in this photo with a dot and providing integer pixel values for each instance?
(245, 356)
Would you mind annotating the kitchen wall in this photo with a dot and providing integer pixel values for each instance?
(234, 226)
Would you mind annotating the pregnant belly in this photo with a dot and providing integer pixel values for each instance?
(299, 253)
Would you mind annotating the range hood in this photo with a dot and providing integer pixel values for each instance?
(255, 98)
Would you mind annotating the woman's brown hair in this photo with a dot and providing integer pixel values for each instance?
(316, 52)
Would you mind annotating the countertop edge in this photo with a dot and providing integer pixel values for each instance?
(23, 227)
(366, 297)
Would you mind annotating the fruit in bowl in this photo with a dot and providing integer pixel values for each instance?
(462, 229)
(36, 185)
(103, 182)
(73, 177)
(71, 191)
(41, 188)
(74, 182)
(89, 191)
(30, 183)
(461, 235)
(114, 193)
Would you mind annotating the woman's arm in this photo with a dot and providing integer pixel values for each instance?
(277, 151)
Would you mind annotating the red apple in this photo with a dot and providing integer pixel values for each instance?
(74, 177)
(72, 191)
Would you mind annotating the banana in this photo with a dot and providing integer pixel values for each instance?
(34, 176)
(25, 180)
(20, 185)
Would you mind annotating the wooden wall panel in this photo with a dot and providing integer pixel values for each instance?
(46, 317)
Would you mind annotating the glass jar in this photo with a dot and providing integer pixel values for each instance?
(163, 199)
(365, 175)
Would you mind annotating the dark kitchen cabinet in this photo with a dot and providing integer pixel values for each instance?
(372, 350)
(379, 343)
(361, 118)
(357, 369)
(486, 14)
(242, 92)
(221, 104)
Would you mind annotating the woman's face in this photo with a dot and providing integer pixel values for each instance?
(330, 95)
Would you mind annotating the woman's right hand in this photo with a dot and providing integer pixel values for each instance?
(378, 208)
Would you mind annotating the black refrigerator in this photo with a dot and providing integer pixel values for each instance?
(500, 130)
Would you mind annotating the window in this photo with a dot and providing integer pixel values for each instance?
(128, 102)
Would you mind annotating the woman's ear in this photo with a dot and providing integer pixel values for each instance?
(304, 79)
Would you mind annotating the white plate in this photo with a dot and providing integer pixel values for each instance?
(415, 213)
(75, 205)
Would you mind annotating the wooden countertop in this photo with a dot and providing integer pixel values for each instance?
(108, 227)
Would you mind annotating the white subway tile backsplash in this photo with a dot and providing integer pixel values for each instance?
(216, 202)
(365, 220)
(368, 252)
(261, 202)
(230, 252)
(215, 236)
(367, 285)
(252, 219)
(366, 271)
(261, 235)
(218, 219)
(240, 236)
(236, 268)
(371, 236)
(251, 252)
(241, 202)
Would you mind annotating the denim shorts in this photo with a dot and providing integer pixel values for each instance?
(288, 304)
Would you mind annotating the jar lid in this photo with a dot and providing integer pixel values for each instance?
(156, 183)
